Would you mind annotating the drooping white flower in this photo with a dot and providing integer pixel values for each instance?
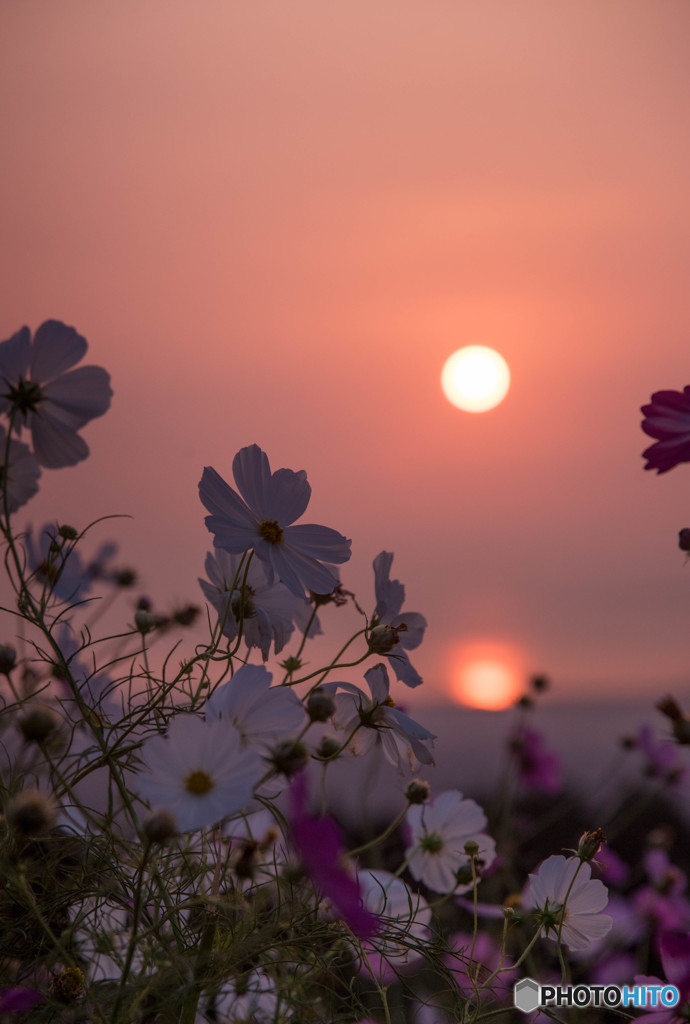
(267, 608)
(404, 631)
(20, 474)
(404, 920)
(255, 1001)
(569, 901)
(440, 830)
(378, 721)
(200, 772)
(262, 520)
(47, 396)
(261, 713)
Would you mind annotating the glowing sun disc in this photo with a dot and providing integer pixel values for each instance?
(488, 684)
(475, 378)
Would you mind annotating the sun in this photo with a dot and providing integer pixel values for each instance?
(486, 675)
(475, 378)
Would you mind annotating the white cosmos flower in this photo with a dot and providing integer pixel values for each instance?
(47, 396)
(404, 916)
(261, 713)
(403, 740)
(21, 473)
(440, 830)
(199, 772)
(569, 901)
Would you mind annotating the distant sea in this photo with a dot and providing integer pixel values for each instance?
(470, 752)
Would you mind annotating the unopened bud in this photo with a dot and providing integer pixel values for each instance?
(187, 615)
(540, 683)
(245, 866)
(320, 705)
(144, 621)
(471, 848)
(8, 659)
(417, 791)
(30, 812)
(289, 756)
(328, 747)
(509, 913)
(125, 578)
(684, 539)
(680, 725)
(38, 722)
(590, 844)
(67, 532)
(159, 826)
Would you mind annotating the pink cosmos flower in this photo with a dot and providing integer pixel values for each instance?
(674, 952)
(320, 849)
(667, 418)
(47, 396)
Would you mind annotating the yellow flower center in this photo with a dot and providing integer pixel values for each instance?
(198, 783)
(271, 531)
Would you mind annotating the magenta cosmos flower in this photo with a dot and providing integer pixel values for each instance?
(261, 519)
(47, 396)
(321, 851)
(667, 418)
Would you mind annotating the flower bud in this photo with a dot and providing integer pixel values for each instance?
(471, 848)
(37, 722)
(540, 683)
(328, 747)
(417, 791)
(30, 812)
(67, 533)
(590, 844)
(684, 539)
(124, 578)
(246, 863)
(144, 621)
(289, 756)
(680, 725)
(159, 826)
(186, 615)
(8, 659)
(320, 705)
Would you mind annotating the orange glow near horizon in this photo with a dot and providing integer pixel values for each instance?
(488, 677)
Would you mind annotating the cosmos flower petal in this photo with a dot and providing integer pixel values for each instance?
(56, 348)
(390, 594)
(667, 418)
(55, 444)
(404, 669)
(223, 503)
(297, 571)
(252, 474)
(287, 496)
(414, 634)
(82, 394)
(377, 680)
(14, 356)
(319, 542)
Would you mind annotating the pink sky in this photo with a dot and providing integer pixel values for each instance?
(274, 222)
